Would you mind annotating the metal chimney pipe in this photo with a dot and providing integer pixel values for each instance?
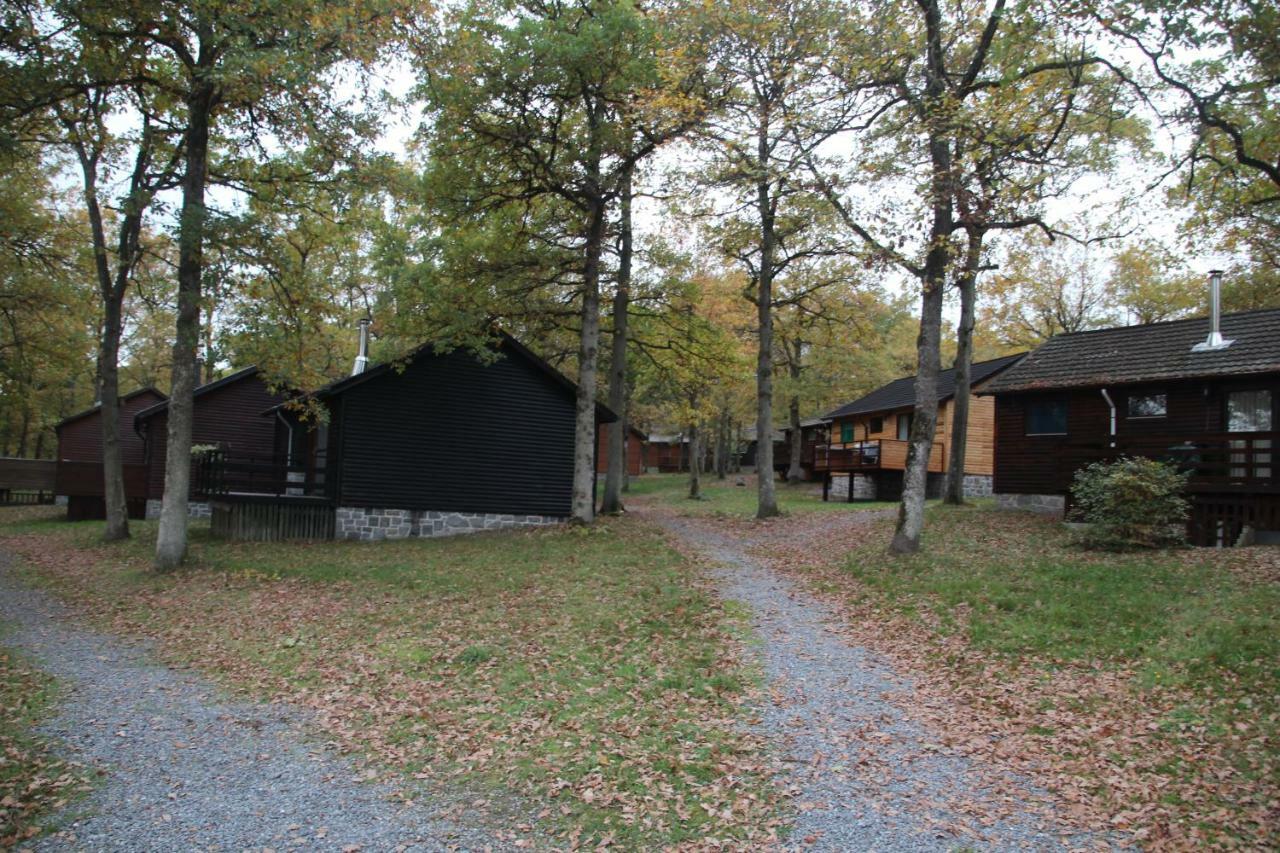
(362, 358)
(1215, 341)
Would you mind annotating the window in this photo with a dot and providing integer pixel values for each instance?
(846, 432)
(877, 425)
(1047, 417)
(1148, 405)
(904, 427)
(1250, 411)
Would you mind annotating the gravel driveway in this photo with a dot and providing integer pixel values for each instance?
(862, 775)
(187, 769)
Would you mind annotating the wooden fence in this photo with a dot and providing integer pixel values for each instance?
(272, 521)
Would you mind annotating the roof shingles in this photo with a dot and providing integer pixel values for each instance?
(902, 392)
(1153, 352)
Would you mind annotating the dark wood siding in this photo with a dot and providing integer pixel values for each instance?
(1030, 464)
(80, 440)
(230, 417)
(455, 435)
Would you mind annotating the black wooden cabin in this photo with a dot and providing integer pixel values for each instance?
(431, 444)
(1150, 390)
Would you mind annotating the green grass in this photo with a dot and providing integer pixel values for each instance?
(1032, 592)
(581, 662)
(724, 497)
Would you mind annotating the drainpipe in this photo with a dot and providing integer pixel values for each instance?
(288, 452)
(1112, 405)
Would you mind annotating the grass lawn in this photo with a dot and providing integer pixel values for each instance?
(1151, 680)
(725, 497)
(33, 782)
(583, 669)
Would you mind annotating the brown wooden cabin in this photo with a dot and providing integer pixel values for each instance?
(1147, 390)
(432, 444)
(79, 469)
(635, 451)
(226, 414)
(813, 432)
(666, 454)
(869, 437)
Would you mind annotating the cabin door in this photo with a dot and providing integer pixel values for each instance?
(1250, 412)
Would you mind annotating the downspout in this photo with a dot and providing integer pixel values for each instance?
(288, 447)
(1110, 403)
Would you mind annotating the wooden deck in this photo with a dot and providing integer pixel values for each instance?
(26, 481)
(881, 454)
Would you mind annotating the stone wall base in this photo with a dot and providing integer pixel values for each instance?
(978, 486)
(372, 524)
(195, 509)
(1053, 505)
(864, 487)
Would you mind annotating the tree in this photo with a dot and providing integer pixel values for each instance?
(926, 70)
(541, 114)
(775, 55)
(1210, 69)
(260, 74)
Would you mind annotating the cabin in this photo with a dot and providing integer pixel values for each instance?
(434, 444)
(78, 475)
(1202, 397)
(634, 445)
(226, 415)
(867, 452)
(666, 453)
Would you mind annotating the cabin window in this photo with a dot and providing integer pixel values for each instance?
(846, 432)
(877, 425)
(904, 427)
(1047, 417)
(1148, 405)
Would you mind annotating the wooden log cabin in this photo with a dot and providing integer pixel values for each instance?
(78, 476)
(867, 453)
(226, 414)
(666, 454)
(434, 444)
(635, 451)
(813, 432)
(1162, 390)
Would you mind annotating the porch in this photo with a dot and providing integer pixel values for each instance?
(879, 454)
(266, 498)
(1232, 478)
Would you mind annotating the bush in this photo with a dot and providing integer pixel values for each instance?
(1130, 503)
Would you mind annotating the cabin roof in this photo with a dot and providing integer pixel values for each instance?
(95, 408)
(1151, 352)
(505, 342)
(902, 392)
(229, 379)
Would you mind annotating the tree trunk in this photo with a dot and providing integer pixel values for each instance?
(584, 467)
(954, 490)
(906, 537)
(171, 539)
(767, 499)
(695, 472)
(616, 472)
(113, 492)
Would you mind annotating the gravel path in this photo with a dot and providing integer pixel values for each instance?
(187, 769)
(862, 776)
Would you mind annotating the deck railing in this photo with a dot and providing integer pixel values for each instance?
(1216, 462)
(221, 475)
(864, 455)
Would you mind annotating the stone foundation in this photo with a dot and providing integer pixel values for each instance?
(195, 509)
(1054, 505)
(864, 487)
(371, 524)
(978, 486)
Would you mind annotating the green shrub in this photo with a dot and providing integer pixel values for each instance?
(1130, 503)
